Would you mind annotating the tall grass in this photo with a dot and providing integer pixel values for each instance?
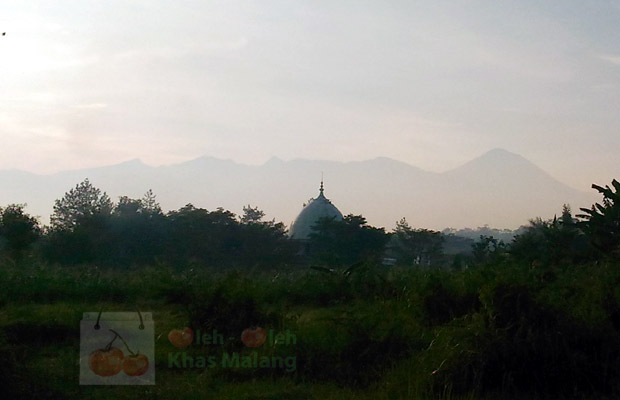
(495, 331)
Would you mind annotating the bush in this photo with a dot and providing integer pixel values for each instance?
(525, 347)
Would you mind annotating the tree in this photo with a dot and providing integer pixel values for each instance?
(416, 246)
(345, 242)
(146, 206)
(132, 232)
(264, 244)
(488, 249)
(552, 241)
(149, 204)
(196, 235)
(78, 205)
(566, 220)
(252, 215)
(79, 226)
(135, 233)
(127, 207)
(601, 222)
(19, 229)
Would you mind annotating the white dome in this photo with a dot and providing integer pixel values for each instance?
(316, 209)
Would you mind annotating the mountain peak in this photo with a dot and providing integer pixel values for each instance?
(499, 163)
(205, 160)
(134, 161)
(274, 161)
(499, 153)
(498, 158)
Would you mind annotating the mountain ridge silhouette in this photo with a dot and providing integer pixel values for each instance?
(498, 188)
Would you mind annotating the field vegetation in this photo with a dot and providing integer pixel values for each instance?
(536, 318)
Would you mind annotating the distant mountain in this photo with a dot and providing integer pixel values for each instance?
(499, 188)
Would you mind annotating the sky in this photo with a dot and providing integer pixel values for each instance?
(432, 83)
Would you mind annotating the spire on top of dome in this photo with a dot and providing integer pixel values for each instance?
(312, 212)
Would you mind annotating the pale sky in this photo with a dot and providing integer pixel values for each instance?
(432, 83)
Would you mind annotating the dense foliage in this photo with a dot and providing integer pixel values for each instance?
(363, 332)
(602, 221)
(537, 317)
(344, 242)
(87, 227)
(18, 231)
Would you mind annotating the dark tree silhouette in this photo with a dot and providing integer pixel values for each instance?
(488, 250)
(18, 229)
(78, 205)
(79, 226)
(136, 231)
(601, 222)
(345, 242)
(149, 204)
(551, 241)
(415, 246)
(251, 215)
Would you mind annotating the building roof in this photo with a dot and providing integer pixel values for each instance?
(316, 209)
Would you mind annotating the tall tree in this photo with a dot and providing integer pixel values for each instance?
(488, 250)
(127, 207)
(198, 236)
(552, 241)
(149, 204)
(416, 246)
(251, 215)
(602, 221)
(18, 229)
(262, 243)
(80, 225)
(79, 204)
(345, 242)
(136, 231)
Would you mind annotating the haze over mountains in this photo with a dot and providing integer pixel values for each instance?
(499, 188)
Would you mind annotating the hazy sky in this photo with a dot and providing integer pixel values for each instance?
(432, 83)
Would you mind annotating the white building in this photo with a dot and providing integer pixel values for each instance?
(316, 209)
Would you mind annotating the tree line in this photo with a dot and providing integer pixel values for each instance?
(88, 227)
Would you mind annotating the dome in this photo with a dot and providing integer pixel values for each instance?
(316, 209)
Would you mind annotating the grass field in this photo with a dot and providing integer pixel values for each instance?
(496, 331)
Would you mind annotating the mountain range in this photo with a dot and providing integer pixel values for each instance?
(499, 189)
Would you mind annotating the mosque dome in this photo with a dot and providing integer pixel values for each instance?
(316, 209)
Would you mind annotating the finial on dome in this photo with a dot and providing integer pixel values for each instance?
(321, 190)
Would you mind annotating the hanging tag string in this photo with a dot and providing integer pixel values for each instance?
(141, 321)
(97, 326)
(141, 326)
